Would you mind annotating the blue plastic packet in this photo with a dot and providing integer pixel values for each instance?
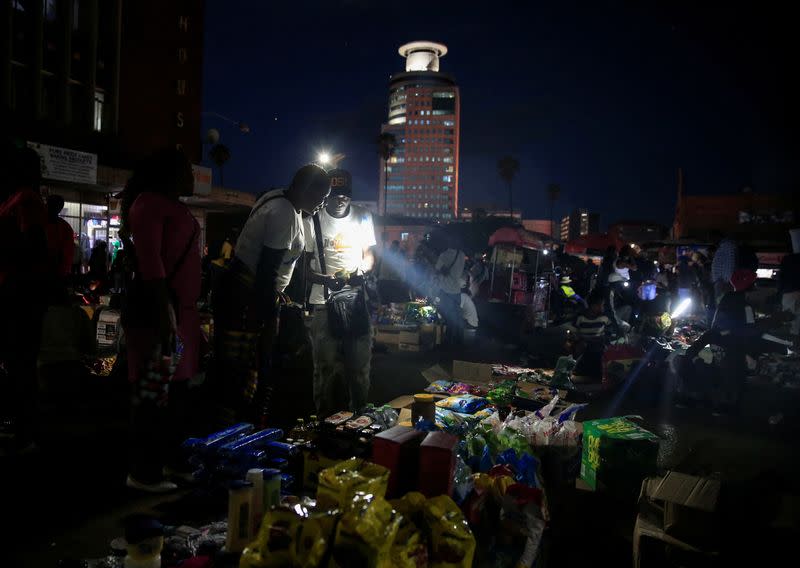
(281, 449)
(217, 439)
(526, 470)
(256, 440)
(278, 463)
(569, 413)
(486, 462)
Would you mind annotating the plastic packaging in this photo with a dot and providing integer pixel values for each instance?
(297, 535)
(255, 441)
(410, 548)
(452, 543)
(390, 416)
(366, 533)
(459, 388)
(465, 403)
(439, 386)
(339, 484)
(217, 439)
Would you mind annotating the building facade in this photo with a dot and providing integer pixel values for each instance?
(421, 179)
(471, 213)
(745, 215)
(578, 223)
(95, 85)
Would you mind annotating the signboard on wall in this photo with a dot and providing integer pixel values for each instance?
(64, 164)
(202, 180)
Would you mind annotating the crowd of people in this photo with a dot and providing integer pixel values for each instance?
(160, 278)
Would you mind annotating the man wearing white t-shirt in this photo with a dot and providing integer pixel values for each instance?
(345, 235)
(247, 305)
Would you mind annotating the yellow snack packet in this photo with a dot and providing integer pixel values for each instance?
(452, 541)
(296, 535)
(366, 534)
(339, 484)
(410, 549)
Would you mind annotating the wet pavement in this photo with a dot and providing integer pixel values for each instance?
(69, 499)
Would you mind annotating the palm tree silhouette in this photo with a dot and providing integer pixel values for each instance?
(508, 167)
(220, 154)
(553, 193)
(386, 143)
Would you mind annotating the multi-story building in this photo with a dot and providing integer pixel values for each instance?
(578, 223)
(421, 179)
(95, 85)
(471, 213)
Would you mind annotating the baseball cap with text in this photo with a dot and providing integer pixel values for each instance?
(341, 182)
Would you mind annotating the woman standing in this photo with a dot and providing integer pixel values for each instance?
(160, 318)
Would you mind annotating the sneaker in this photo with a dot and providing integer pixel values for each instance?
(171, 473)
(163, 486)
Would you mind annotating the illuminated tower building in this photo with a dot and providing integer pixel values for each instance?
(424, 110)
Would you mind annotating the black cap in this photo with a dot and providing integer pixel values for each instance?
(341, 182)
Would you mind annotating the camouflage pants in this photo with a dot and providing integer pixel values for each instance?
(348, 357)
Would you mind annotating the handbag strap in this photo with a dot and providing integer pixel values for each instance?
(320, 252)
(267, 200)
(184, 255)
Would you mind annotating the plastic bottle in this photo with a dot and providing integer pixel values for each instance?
(390, 416)
(271, 493)
(312, 428)
(240, 496)
(298, 432)
(256, 477)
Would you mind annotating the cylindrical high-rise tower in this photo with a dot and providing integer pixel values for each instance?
(424, 110)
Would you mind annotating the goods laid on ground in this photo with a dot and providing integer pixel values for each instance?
(408, 326)
(453, 477)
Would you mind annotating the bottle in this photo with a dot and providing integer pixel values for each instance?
(390, 416)
(299, 429)
(256, 477)
(240, 496)
(271, 488)
(423, 407)
(312, 428)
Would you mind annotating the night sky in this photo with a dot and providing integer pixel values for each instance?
(607, 99)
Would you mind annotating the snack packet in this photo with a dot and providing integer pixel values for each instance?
(297, 535)
(452, 542)
(339, 484)
(366, 533)
(465, 403)
(439, 386)
(410, 549)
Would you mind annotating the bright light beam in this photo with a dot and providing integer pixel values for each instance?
(324, 158)
(682, 307)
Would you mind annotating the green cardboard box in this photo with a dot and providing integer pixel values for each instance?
(617, 454)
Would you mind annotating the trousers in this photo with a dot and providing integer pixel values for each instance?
(348, 357)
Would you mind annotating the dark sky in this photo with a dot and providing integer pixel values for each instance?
(607, 99)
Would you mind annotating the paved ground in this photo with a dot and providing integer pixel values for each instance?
(69, 499)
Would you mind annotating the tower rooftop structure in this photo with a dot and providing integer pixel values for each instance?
(422, 55)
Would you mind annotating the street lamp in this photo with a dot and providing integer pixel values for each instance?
(328, 160)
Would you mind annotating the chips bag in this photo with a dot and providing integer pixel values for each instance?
(299, 535)
(339, 484)
(465, 403)
(452, 542)
(366, 534)
(410, 549)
